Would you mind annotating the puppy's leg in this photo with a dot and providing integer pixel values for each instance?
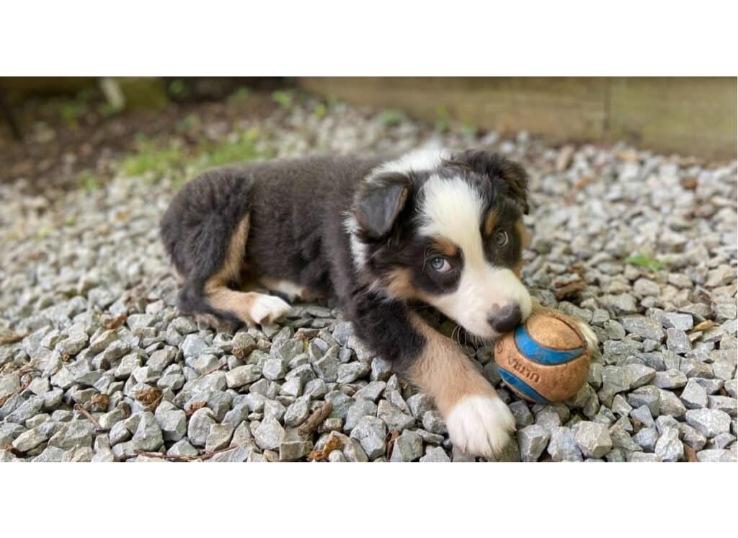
(215, 296)
(478, 422)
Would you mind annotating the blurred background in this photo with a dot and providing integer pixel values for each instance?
(78, 131)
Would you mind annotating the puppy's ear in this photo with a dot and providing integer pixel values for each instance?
(379, 201)
(512, 178)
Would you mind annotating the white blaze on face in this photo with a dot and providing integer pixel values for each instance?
(452, 209)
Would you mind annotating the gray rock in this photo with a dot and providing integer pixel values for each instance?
(315, 388)
(293, 447)
(593, 439)
(670, 379)
(522, 414)
(381, 369)
(638, 375)
(327, 367)
(26, 410)
(435, 454)
(274, 369)
(183, 448)
(348, 373)
(336, 456)
(119, 433)
(548, 418)
(408, 447)
(304, 373)
(268, 435)
(646, 395)
(242, 375)
(644, 327)
(721, 440)
(293, 387)
(341, 403)
(620, 406)
(298, 412)
(357, 411)
(643, 457)
(694, 395)
(371, 433)
(198, 428)
(643, 415)
(646, 438)
(54, 454)
(73, 434)
(709, 422)
(563, 445)
(219, 437)
(669, 447)
(682, 322)
(373, 390)
(715, 455)
(434, 423)
(677, 341)
(148, 436)
(723, 403)
(670, 404)
(274, 409)
(29, 440)
(614, 380)
(172, 421)
(394, 418)
(193, 346)
(532, 441)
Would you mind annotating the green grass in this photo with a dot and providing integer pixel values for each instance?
(391, 117)
(646, 261)
(155, 160)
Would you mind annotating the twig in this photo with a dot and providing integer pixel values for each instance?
(569, 291)
(86, 413)
(24, 386)
(315, 420)
(199, 457)
(12, 338)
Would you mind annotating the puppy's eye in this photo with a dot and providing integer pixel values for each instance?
(440, 264)
(501, 238)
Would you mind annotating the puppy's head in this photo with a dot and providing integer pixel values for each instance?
(446, 229)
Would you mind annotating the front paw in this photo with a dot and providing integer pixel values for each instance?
(589, 335)
(480, 425)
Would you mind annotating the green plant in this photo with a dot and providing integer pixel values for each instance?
(178, 89)
(442, 119)
(284, 98)
(391, 117)
(469, 129)
(645, 260)
(241, 95)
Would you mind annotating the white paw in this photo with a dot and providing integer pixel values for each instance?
(480, 425)
(267, 309)
(589, 336)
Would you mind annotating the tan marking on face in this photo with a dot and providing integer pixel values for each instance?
(398, 284)
(524, 234)
(444, 372)
(489, 223)
(525, 243)
(445, 247)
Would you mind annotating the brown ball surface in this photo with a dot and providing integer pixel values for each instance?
(545, 360)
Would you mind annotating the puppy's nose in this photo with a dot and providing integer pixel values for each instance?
(504, 319)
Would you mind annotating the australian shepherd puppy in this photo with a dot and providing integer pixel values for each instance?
(378, 237)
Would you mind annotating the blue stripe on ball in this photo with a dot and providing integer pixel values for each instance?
(540, 353)
(521, 386)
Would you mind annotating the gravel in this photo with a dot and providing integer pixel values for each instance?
(88, 311)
